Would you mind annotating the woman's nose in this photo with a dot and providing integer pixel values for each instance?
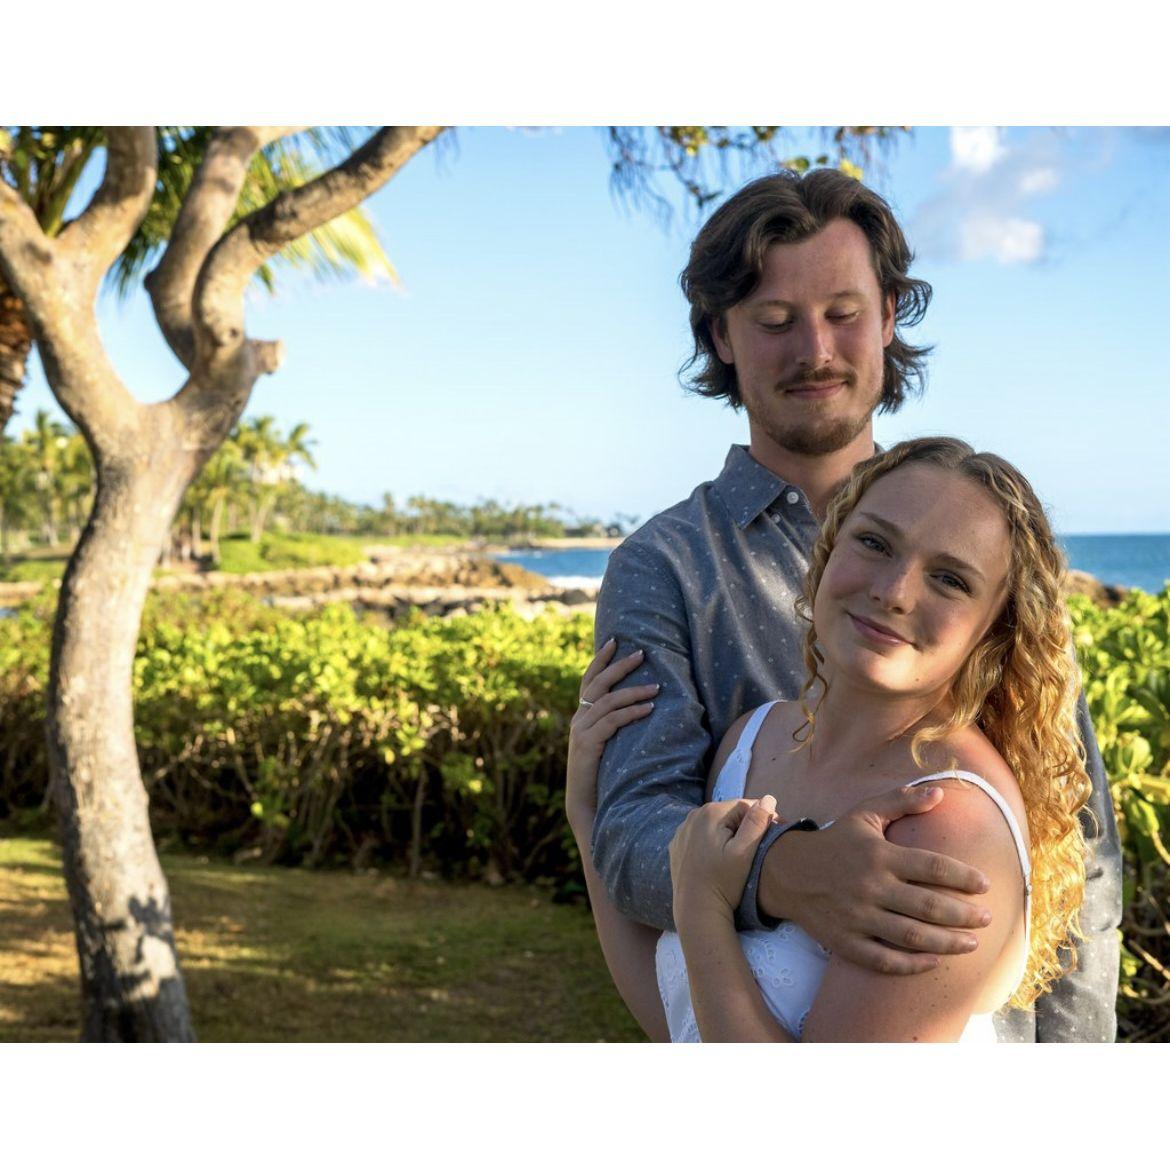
(893, 589)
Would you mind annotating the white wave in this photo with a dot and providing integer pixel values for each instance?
(576, 582)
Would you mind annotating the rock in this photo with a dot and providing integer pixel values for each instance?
(1098, 593)
(578, 596)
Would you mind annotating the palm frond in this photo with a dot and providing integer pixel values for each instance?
(346, 245)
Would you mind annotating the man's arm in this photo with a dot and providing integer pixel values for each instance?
(652, 773)
(1082, 1005)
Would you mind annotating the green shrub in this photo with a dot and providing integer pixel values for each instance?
(440, 743)
(1124, 654)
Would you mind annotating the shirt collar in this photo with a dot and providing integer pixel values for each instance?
(746, 487)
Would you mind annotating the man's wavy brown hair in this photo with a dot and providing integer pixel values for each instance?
(727, 262)
(1019, 686)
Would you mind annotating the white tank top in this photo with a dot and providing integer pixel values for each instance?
(788, 964)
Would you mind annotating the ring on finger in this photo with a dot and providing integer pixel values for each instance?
(585, 703)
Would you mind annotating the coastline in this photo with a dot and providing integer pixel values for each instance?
(551, 542)
(442, 580)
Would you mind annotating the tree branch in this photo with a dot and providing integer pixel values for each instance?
(25, 251)
(57, 291)
(98, 236)
(219, 291)
(207, 208)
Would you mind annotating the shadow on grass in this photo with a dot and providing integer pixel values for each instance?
(284, 954)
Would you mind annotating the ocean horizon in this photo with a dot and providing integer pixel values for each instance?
(1132, 560)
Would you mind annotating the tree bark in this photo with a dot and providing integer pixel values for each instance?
(15, 345)
(131, 983)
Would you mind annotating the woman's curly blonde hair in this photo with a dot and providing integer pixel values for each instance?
(1019, 686)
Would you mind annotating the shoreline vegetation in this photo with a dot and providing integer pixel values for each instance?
(438, 575)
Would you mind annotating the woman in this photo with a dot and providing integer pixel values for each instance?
(937, 653)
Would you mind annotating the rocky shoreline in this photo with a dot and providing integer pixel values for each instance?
(391, 582)
(439, 582)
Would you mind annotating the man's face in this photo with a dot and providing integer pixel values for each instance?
(807, 344)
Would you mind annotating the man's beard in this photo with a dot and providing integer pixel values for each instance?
(811, 439)
(813, 436)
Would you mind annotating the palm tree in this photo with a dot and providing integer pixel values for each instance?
(273, 460)
(46, 443)
(223, 472)
(74, 483)
(17, 489)
(45, 164)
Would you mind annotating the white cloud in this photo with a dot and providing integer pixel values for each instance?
(1039, 180)
(1005, 239)
(982, 209)
(976, 148)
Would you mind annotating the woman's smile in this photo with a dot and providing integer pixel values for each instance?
(879, 633)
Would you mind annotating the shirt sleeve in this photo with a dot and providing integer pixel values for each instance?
(653, 771)
(1082, 1005)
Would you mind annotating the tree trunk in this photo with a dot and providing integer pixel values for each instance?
(15, 344)
(260, 517)
(131, 984)
(216, 521)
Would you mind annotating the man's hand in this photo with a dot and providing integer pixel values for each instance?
(864, 898)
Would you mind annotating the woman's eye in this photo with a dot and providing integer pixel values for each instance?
(868, 540)
(776, 326)
(953, 582)
(842, 316)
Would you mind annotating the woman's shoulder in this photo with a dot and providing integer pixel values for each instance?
(969, 750)
(968, 823)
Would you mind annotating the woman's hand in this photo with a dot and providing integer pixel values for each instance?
(601, 712)
(711, 856)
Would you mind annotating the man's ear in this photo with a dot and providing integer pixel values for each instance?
(888, 321)
(718, 327)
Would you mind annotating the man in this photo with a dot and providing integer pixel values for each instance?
(798, 287)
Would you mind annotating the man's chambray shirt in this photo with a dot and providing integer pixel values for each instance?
(708, 589)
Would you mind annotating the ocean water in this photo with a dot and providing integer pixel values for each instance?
(1135, 561)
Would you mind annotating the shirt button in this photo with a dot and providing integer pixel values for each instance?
(793, 497)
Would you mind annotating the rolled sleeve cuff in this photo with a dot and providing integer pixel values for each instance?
(748, 915)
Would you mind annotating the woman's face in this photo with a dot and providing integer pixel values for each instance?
(917, 576)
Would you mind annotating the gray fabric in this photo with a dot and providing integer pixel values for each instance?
(707, 589)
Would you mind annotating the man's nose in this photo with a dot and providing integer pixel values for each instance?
(814, 343)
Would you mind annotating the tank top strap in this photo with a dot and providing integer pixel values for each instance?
(732, 778)
(1012, 824)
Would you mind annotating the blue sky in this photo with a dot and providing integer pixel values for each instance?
(531, 353)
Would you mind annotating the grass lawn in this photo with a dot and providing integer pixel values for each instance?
(291, 550)
(274, 954)
(41, 569)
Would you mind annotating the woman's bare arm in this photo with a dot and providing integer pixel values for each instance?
(709, 861)
(629, 949)
(628, 946)
(856, 1004)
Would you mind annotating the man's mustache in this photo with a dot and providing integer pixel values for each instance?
(816, 377)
